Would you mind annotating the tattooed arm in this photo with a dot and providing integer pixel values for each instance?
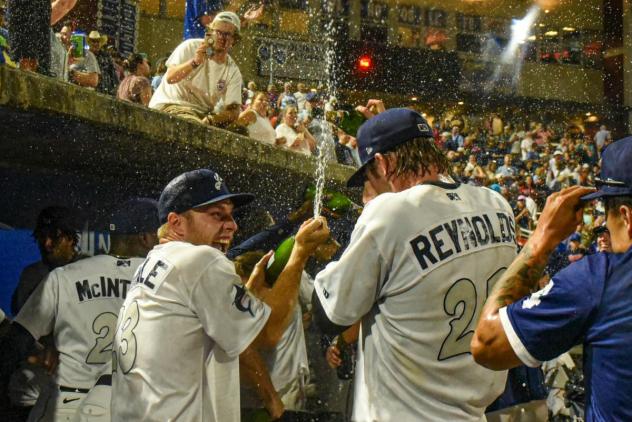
(563, 211)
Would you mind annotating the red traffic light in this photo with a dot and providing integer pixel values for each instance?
(365, 63)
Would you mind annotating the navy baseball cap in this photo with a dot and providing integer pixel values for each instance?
(385, 131)
(575, 237)
(136, 215)
(57, 218)
(615, 178)
(194, 189)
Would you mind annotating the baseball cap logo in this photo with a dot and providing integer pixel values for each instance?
(369, 150)
(218, 182)
(423, 127)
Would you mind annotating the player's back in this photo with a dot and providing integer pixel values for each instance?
(80, 303)
(444, 246)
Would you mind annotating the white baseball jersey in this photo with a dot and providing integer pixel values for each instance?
(286, 363)
(418, 268)
(180, 332)
(79, 303)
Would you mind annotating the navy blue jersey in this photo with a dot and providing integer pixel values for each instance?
(588, 302)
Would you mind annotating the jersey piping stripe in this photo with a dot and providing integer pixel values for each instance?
(516, 344)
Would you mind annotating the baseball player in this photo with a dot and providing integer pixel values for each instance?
(188, 317)
(79, 304)
(422, 258)
(586, 303)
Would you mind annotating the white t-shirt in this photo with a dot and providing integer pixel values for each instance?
(301, 99)
(290, 135)
(179, 335)
(208, 84)
(526, 146)
(79, 303)
(262, 130)
(418, 268)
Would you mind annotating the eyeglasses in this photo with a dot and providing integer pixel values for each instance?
(224, 34)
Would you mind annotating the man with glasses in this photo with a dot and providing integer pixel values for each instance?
(586, 303)
(203, 83)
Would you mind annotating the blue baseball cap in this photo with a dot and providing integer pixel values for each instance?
(137, 215)
(575, 237)
(384, 132)
(194, 189)
(615, 178)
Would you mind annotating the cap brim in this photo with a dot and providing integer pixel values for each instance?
(607, 191)
(238, 199)
(357, 178)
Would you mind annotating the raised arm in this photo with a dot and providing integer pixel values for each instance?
(563, 211)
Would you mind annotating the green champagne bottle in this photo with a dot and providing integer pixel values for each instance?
(336, 201)
(279, 260)
(257, 415)
(351, 121)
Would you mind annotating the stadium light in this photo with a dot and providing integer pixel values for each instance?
(365, 63)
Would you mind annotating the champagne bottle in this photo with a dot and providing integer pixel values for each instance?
(346, 368)
(279, 260)
(351, 121)
(335, 202)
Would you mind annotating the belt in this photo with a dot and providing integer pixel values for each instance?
(73, 390)
(104, 380)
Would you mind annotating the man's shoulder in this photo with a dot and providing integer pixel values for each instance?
(182, 254)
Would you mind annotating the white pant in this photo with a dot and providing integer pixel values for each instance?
(96, 406)
(63, 406)
(54, 405)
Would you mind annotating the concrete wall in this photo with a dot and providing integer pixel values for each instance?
(61, 144)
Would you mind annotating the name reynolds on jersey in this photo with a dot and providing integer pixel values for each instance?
(105, 287)
(462, 235)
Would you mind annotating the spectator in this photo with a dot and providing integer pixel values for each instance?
(83, 71)
(490, 171)
(259, 126)
(456, 137)
(201, 87)
(474, 171)
(506, 170)
(526, 147)
(301, 96)
(521, 212)
(296, 134)
(250, 92)
(161, 68)
(136, 87)
(603, 238)
(311, 103)
(287, 97)
(273, 97)
(108, 80)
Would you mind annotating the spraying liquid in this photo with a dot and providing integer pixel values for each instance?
(325, 140)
